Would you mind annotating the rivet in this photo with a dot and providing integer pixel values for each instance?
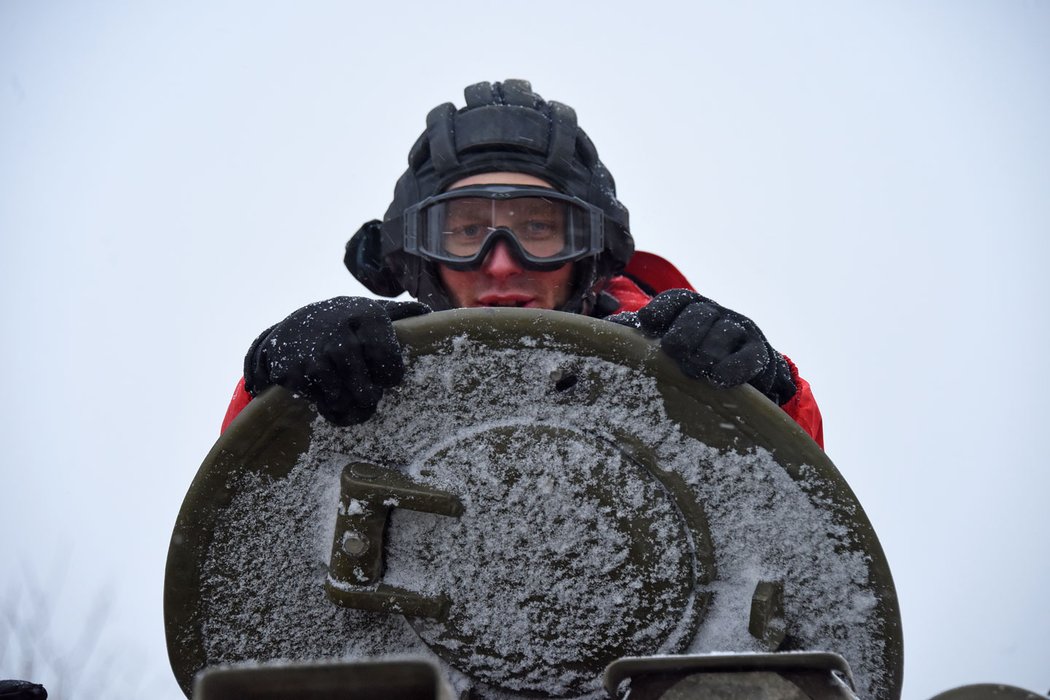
(354, 543)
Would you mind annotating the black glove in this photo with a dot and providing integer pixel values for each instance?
(339, 353)
(711, 342)
(22, 690)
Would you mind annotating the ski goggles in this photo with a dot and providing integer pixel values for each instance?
(543, 228)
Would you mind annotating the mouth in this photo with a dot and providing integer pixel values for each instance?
(506, 301)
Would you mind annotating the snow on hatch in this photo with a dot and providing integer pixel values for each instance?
(567, 554)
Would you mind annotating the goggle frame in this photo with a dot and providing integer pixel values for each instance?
(415, 217)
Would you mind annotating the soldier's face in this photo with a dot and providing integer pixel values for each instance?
(501, 280)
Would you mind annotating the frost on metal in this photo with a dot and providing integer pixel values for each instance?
(537, 568)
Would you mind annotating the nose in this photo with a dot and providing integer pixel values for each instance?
(500, 262)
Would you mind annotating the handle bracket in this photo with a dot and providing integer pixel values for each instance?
(368, 493)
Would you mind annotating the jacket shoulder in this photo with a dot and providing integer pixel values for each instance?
(654, 274)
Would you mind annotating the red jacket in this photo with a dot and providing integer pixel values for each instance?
(657, 275)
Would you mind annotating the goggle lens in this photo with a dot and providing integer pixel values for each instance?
(545, 228)
(541, 226)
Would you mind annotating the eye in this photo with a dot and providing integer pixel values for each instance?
(539, 228)
(468, 231)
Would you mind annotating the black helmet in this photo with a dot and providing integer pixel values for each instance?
(504, 127)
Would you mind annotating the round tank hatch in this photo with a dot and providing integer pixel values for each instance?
(544, 493)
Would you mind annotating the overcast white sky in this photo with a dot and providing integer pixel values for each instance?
(869, 182)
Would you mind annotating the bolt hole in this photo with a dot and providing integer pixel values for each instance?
(565, 382)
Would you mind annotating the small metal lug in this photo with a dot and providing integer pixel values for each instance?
(363, 470)
(767, 614)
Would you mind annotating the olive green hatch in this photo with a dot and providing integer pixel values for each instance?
(546, 507)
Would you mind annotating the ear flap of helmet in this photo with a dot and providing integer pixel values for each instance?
(365, 261)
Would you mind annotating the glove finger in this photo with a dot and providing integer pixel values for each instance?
(702, 342)
(724, 338)
(291, 373)
(357, 387)
(380, 352)
(330, 383)
(371, 343)
(685, 338)
(350, 398)
(741, 366)
(625, 318)
(658, 315)
(398, 310)
(346, 414)
(257, 364)
(775, 380)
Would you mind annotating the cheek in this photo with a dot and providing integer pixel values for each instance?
(456, 283)
(560, 283)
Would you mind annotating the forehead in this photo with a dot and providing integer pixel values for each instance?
(481, 207)
(501, 178)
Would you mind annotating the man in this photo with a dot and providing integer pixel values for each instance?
(506, 203)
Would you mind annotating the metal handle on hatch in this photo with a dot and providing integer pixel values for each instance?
(368, 494)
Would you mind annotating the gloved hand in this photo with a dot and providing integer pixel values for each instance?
(340, 354)
(711, 342)
(22, 690)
